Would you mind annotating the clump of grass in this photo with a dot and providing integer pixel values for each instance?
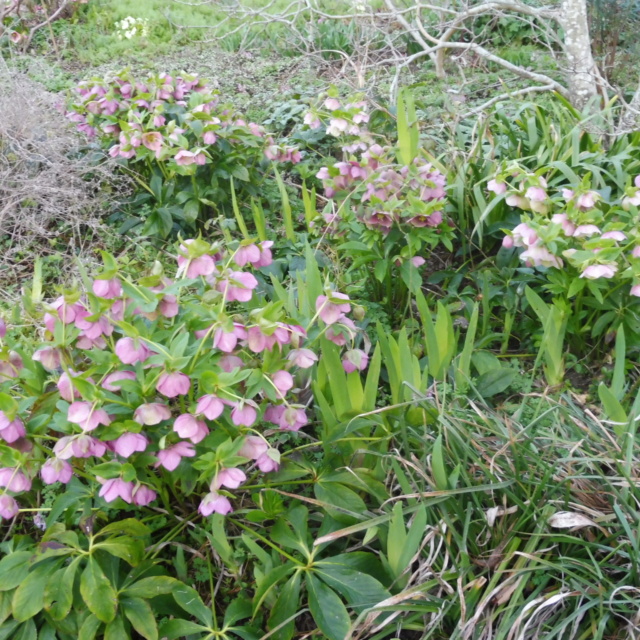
(531, 527)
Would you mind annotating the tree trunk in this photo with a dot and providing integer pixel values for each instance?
(582, 73)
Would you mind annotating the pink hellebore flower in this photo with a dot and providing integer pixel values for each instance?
(636, 252)
(173, 384)
(107, 289)
(67, 391)
(209, 137)
(303, 358)
(230, 363)
(267, 461)
(515, 200)
(355, 360)
(507, 242)
(210, 406)
(618, 236)
(540, 257)
(3, 329)
(56, 470)
(109, 382)
(227, 341)
(332, 104)
(169, 307)
(200, 266)
(8, 507)
(243, 415)
(253, 447)
(586, 231)
(497, 187)
(214, 503)
(635, 290)
(524, 236)
(282, 381)
(266, 257)
(11, 430)
(244, 255)
(116, 488)
(595, 271)
(171, 457)
(87, 416)
(330, 312)
(129, 443)
(587, 200)
(230, 478)
(14, 480)
(130, 350)
(238, 287)
(152, 413)
(48, 357)
(79, 446)
(143, 495)
(11, 368)
(152, 140)
(189, 427)
(184, 157)
(563, 220)
(292, 419)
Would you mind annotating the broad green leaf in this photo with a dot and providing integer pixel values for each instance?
(189, 599)
(28, 598)
(97, 592)
(140, 615)
(59, 591)
(151, 587)
(89, 628)
(116, 630)
(173, 629)
(285, 607)
(268, 582)
(14, 569)
(327, 609)
(128, 549)
(26, 631)
(128, 527)
(496, 381)
(359, 589)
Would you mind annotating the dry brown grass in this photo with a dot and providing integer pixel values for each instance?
(53, 198)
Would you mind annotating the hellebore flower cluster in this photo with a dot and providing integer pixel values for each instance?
(207, 384)
(173, 119)
(598, 240)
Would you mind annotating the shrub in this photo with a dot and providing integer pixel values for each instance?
(386, 202)
(165, 382)
(586, 242)
(184, 147)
